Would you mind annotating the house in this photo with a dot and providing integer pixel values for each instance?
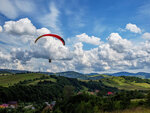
(96, 91)
(92, 93)
(13, 104)
(109, 93)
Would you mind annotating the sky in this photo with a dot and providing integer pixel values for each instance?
(101, 36)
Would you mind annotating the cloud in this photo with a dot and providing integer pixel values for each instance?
(51, 19)
(25, 5)
(7, 8)
(50, 48)
(146, 46)
(91, 40)
(13, 9)
(115, 54)
(21, 30)
(133, 28)
(4, 57)
(81, 59)
(22, 26)
(45, 48)
(20, 55)
(118, 43)
(105, 57)
(1, 29)
(146, 36)
(43, 31)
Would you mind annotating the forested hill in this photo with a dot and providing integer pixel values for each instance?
(42, 87)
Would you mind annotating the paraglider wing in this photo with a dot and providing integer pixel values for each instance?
(53, 35)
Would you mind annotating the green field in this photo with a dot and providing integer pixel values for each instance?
(121, 83)
(36, 81)
(9, 80)
(101, 75)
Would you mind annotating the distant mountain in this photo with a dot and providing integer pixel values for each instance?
(121, 74)
(71, 74)
(139, 74)
(13, 71)
(92, 74)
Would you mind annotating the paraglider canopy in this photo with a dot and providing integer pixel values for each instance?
(52, 35)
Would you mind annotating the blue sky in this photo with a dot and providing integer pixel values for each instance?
(100, 35)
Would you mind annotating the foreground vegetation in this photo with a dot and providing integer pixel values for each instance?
(72, 95)
(47, 88)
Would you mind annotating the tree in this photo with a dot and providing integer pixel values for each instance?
(68, 91)
(148, 99)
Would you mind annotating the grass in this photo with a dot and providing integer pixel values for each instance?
(36, 81)
(9, 80)
(121, 83)
(137, 100)
(101, 75)
(84, 89)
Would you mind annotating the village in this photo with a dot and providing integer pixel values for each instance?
(15, 105)
(48, 106)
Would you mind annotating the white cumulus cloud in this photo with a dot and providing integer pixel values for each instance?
(146, 36)
(20, 27)
(4, 57)
(91, 40)
(43, 31)
(118, 43)
(133, 28)
(115, 54)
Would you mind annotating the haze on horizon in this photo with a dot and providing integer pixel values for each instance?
(101, 35)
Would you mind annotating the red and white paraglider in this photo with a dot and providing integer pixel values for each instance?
(52, 35)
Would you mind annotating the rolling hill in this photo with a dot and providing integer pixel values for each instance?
(120, 82)
(127, 83)
(11, 79)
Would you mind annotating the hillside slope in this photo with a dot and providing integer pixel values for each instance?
(11, 79)
(127, 83)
